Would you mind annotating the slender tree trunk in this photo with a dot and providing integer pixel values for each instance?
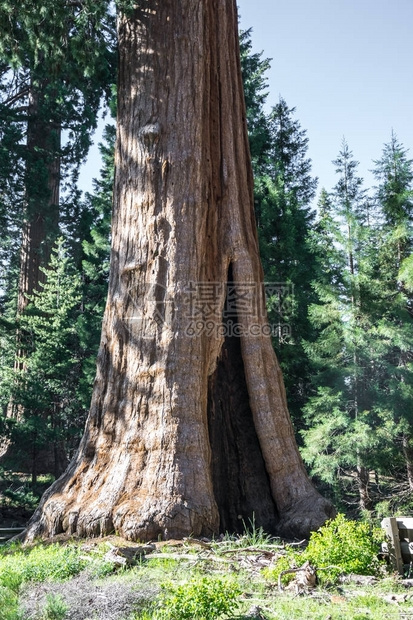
(40, 224)
(42, 184)
(34, 460)
(42, 198)
(362, 473)
(408, 458)
(363, 479)
(40, 229)
(188, 429)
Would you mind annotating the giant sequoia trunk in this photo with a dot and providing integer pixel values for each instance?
(188, 431)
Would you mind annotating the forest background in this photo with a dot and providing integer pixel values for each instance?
(339, 258)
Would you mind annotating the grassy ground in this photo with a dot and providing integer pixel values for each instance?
(234, 577)
(230, 578)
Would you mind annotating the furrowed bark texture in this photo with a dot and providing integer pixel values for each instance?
(186, 435)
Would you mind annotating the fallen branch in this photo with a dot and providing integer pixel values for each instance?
(188, 556)
(249, 549)
(305, 568)
(200, 543)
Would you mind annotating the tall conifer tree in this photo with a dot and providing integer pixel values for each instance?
(58, 59)
(394, 195)
(283, 197)
(340, 415)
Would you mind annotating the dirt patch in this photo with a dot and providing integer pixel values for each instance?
(90, 599)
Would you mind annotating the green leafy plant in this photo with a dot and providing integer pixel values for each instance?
(55, 608)
(342, 546)
(9, 605)
(205, 598)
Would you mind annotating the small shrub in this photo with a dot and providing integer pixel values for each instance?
(345, 546)
(21, 493)
(55, 608)
(21, 497)
(205, 598)
(9, 605)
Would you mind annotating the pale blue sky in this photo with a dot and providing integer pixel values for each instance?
(347, 67)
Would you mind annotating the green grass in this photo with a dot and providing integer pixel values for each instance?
(330, 607)
(55, 608)
(41, 563)
(222, 581)
(52, 562)
(9, 604)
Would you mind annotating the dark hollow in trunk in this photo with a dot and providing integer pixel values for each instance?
(185, 432)
(240, 481)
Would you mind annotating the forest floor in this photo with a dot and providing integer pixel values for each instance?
(234, 577)
(113, 579)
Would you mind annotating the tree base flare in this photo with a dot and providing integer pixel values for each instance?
(304, 517)
(129, 520)
(188, 432)
(135, 521)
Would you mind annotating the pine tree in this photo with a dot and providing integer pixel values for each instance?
(394, 171)
(28, 433)
(360, 418)
(58, 60)
(394, 195)
(342, 416)
(12, 128)
(255, 85)
(283, 193)
(283, 197)
(45, 390)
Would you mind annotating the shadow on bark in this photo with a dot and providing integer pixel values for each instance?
(185, 434)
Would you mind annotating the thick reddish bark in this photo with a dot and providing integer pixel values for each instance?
(187, 432)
